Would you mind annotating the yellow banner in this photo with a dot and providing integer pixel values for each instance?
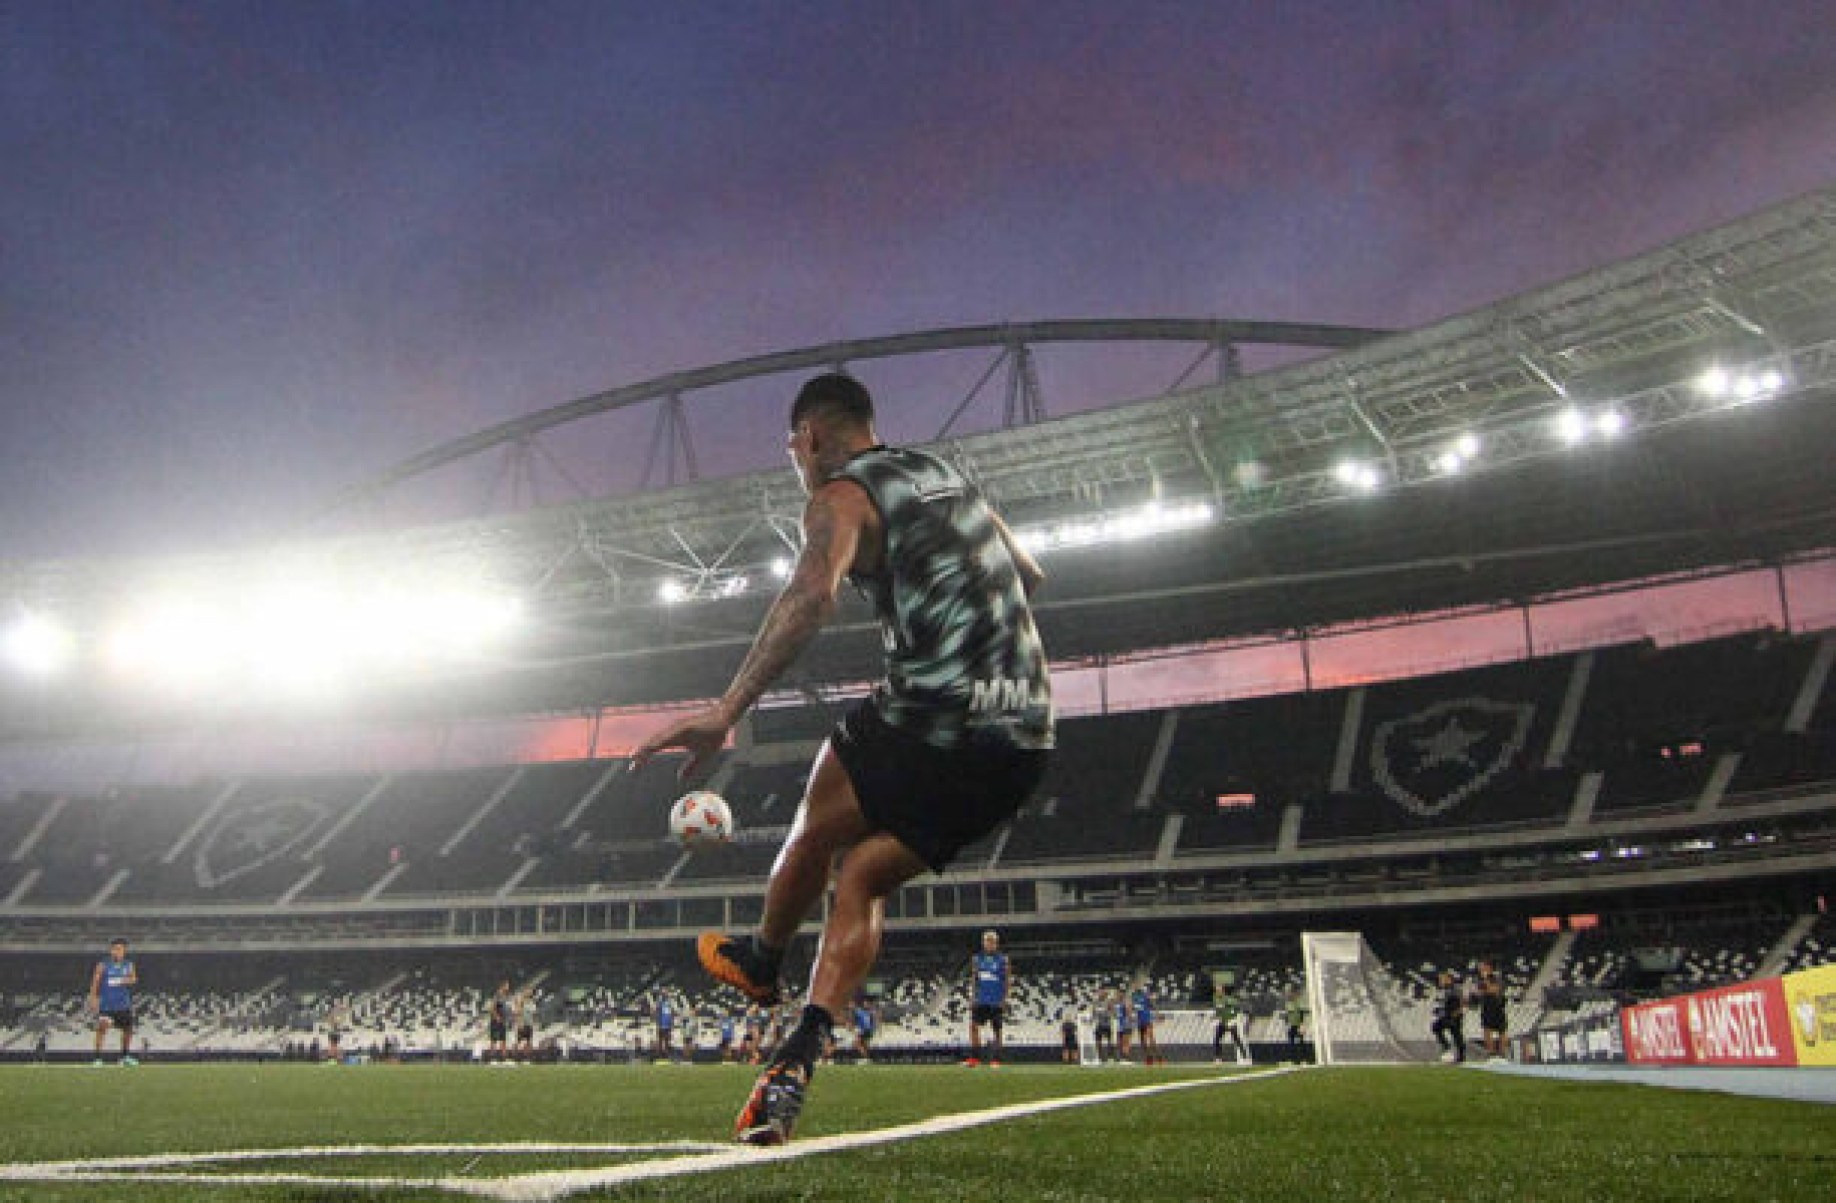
(1810, 997)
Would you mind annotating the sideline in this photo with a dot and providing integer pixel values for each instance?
(1801, 1084)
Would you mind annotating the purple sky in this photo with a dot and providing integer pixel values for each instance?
(251, 253)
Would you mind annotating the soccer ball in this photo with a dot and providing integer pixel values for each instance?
(701, 817)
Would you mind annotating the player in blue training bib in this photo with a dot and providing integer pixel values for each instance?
(111, 997)
(865, 1024)
(1143, 1002)
(990, 1005)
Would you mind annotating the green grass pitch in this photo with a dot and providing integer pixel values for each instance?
(1350, 1134)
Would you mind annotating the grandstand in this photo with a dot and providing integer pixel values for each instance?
(1585, 685)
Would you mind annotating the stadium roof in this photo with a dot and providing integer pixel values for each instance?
(1656, 416)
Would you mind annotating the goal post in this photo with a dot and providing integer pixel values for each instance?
(1361, 1015)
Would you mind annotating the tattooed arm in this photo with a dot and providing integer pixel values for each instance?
(835, 522)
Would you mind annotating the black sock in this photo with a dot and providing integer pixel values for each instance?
(770, 958)
(804, 1043)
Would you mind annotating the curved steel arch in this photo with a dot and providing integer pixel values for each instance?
(956, 338)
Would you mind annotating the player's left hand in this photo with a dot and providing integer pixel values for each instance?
(701, 735)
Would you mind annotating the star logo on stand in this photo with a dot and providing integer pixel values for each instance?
(1433, 760)
(249, 837)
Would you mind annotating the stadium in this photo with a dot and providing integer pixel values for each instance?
(1377, 654)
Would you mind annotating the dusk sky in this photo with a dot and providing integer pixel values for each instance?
(254, 252)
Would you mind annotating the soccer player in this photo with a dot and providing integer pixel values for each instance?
(752, 1039)
(1296, 1012)
(665, 1017)
(1125, 1027)
(1143, 1003)
(724, 1050)
(1227, 1011)
(1102, 1026)
(865, 1024)
(497, 1024)
(1494, 1015)
(1067, 1032)
(989, 1005)
(523, 1012)
(1449, 1025)
(953, 741)
(111, 998)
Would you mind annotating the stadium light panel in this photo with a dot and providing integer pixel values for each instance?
(1571, 425)
(39, 647)
(178, 644)
(1467, 446)
(1450, 463)
(671, 591)
(1142, 522)
(1714, 383)
(1610, 423)
(781, 568)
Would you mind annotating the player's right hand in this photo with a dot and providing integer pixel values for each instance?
(701, 735)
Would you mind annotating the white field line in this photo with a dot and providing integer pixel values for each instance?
(557, 1184)
(153, 1161)
(694, 1157)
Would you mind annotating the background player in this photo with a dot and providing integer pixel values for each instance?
(1142, 1001)
(1228, 1023)
(1296, 1012)
(664, 1013)
(111, 997)
(522, 1013)
(989, 1003)
(1103, 1028)
(1449, 1025)
(1494, 1015)
(866, 1023)
(953, 741)
(497, 1024)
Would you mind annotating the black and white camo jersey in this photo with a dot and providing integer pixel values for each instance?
(962, 654)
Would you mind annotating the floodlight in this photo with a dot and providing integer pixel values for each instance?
(1610, 422)
(1467, 446)
(177, 643)
(1713, 383)
(671, 591)
(1450, 462)
(1571, 425)
(781, 568)
(38, 646)
(1772, 380)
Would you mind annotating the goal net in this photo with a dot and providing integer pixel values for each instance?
(1360, 1013)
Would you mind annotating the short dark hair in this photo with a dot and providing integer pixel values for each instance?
(117, 940)
(833, 396)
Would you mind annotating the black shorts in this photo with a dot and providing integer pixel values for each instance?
(988, 1014)
(525, 1032)
(935, 801)
(498, 1031)
(121, 1019)
(1070, 1037)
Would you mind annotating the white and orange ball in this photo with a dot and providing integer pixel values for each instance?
(701, 817)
